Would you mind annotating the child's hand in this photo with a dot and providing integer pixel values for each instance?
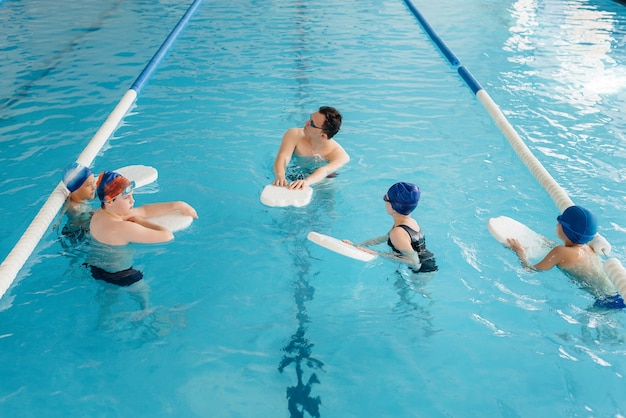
(186, 209)
(367, 250)
(515, 245)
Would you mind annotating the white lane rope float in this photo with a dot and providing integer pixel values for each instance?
(612, 266)
(20, 253)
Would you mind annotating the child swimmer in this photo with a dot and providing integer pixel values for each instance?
(576, 226)
(81, 184)
(405, 238)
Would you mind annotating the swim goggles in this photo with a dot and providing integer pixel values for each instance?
(127, 190)
(313, 124)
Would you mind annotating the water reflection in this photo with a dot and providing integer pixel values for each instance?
(298, 351)
(570, 42)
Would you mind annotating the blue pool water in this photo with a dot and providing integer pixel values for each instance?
(249, 318)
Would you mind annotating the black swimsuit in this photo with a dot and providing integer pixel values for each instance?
(120, 278)
(418, 243)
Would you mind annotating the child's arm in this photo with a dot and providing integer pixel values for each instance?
(521, 253)
(141, 231)
(373, 241)
(152, 210)
(553, 258)
(368, 243)
(409, 257)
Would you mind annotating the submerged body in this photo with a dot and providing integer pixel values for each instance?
(588, 272)
(112, 263)
(76, 229)
(302, 167)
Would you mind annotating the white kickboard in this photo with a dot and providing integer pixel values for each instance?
(340, 247)
(277, 196)
(140, 174)
(174, 221)
(503, 227)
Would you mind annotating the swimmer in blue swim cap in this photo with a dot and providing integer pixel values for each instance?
(576, 227)
(119, 222)
(81, 184)
(406, 238)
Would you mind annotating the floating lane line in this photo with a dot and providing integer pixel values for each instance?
(20, 253)
(613, 268)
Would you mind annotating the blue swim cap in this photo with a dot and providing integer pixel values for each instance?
(403, 197)
(578, 224)
(111, 184)
(75, 175)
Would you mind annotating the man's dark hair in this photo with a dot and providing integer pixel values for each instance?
(332, 124)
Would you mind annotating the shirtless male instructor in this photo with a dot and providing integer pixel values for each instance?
(314, 139)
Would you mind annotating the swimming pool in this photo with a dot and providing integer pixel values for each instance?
(249, 318)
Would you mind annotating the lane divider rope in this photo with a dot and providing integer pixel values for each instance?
(613, 268)
(20, 253)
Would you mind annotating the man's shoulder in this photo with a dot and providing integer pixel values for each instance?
(294, 133)
(337, 151)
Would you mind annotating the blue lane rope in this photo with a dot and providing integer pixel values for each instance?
(16, 259)
(541, 174)
(165, 47)
(469, 79)
(612, 266)
(447, 52)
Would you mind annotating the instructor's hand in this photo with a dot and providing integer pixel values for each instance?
(298, 184)
(280, 181)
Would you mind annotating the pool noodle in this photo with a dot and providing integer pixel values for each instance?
(20, 253)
